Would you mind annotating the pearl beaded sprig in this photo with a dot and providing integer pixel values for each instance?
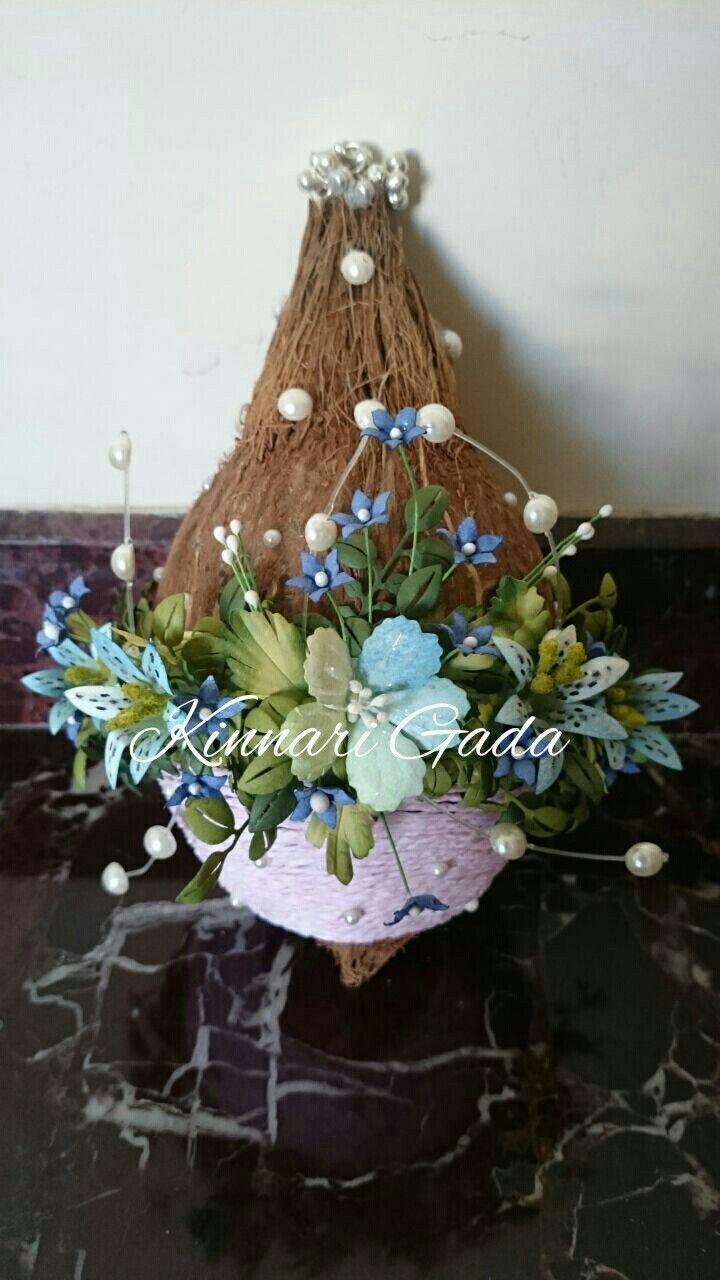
(234, 554)
(122, 560)
(643, 859)
(352, 172)
(159, 844)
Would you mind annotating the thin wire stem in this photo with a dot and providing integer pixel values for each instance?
(330, 505)
(369, 576)
(340, 618)
(393, 846)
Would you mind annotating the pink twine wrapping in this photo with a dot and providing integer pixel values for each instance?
(292, 887)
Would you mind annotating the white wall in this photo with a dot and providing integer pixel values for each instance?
(568, 227)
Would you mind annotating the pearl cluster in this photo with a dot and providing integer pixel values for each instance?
(159, 843)
(351, 171)
(233, 555)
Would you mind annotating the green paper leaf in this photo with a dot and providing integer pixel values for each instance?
(352, 837)
(352, 553)
(608, 592)
(266, 774)
(316, 833)
(204, 652)
(209, 818)
(357, 629)
(430, 505)
(232, 597)
(434, 551)
(265, 653)
(261, 842)
(419, 592)
(268, 811)
(587, 777)
(204, 882)
(168, 622)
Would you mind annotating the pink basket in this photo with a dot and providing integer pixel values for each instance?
(444, 849)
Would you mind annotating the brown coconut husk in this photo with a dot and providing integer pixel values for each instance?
(342, 344)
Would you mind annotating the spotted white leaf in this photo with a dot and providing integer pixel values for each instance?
(98, 700)
(115, 745)
(146, 744)
(59, 715)
(517, 658)
(50, 683)
(69, 654)
(577, 718)
(652, 680)
(153, 668)
(597, 675)
(514, 711)
(548, 771)
(663, 706)
(655, 745)
(615, 752)
(116, 661)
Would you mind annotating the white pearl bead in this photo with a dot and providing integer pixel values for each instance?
(337, 181)
(294, 404)
(252, 599)
(235, 527)
(205, 713)
(440, 869)
(236, 900)
(508, 840)
(472, 905)
(353, 915)
(540, 513)
(510, 499)
(159, 843)
(606, 510)
(323, 161)
(471, 642)
(51, 630)
(569, 551)
(308, 181)
(122, 562)
(364, 515)
(414, 911)
(398, 200)
(120, 452)
(363, 413)
(469, 548)
(396, 181)
(259, 862)
(375, 173)
(357, 267)
(158, 573)
(398, 160)
(550, 571)
(452, 343)
(220, 533)
(321, 579)
(396, 433)
(195, 789)
(361, 194)
(272, 537)
(319, 802)
(645, 858)
(438, 421)
(114, 879)
(320, 533)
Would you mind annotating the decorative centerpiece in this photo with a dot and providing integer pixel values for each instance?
(360, 683)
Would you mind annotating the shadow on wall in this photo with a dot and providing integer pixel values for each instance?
(531, 420)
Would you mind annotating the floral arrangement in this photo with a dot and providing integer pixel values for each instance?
(370, 694)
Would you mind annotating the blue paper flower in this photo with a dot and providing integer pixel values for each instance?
(524, 769)
(421, 902)
(627, 766)
(320, 801)
(72, 723)
(319, 577)
(466, 640)
(59, 605)
(205, 707)
(394, 431)
(364, 513)
(468, 546)
(594, 648)
(195, 785)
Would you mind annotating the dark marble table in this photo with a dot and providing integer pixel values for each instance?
(530, 1091)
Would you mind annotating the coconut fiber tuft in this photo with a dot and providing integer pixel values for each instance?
(342, 344)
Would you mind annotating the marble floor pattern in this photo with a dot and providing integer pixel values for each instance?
(529, 1091)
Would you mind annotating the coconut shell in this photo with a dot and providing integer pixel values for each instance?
(342, 344)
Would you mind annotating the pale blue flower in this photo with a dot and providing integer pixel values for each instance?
(470, 547)
(318, 576)
(365, 512)
(394, 431)
(326, 813)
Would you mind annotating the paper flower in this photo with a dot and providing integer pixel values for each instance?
(322, 802)
(208, 710)
(59, 604)
(365, 512)
(319, 576)
(395, 678)
(469, 640)
(468, 546)
(421, 902)
(138, 704)
(393, 431)
(194, 785)
(525, 768)
(638, 705)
